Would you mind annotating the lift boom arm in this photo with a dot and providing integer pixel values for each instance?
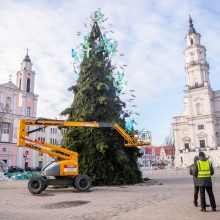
(59, 152)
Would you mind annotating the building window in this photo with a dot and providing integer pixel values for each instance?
(53, 130)
(41, 139)
(3, 149)
(20, 83)
(28, 85)
(202, 143)
(28, 111)
(198, 108)
(186, 145)
(63, 130)
(8, 105)
(5, 128)
(40, 153)
(200, 127)
(26, 153)
(191, 41)
(53, 141)
(42, 129)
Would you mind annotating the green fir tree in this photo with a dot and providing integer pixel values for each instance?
(102, 155)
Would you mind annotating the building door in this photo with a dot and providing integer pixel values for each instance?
(186, 145)
(202, 143)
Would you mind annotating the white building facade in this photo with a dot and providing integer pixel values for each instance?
(197, 128)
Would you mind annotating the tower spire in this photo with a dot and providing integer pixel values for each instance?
(191, 28)
(27, 58)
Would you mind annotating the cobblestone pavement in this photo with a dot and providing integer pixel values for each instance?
(168, 195)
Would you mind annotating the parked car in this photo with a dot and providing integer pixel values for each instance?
(140, 164)
(12, 169)
(3, 167)
(29, 169)
(38, 168)
(33, 169)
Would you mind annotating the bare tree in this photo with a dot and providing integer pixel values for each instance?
(169, 139)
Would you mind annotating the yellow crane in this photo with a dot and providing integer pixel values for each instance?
(64, 170)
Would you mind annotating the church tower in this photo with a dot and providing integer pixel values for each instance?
(197, 127)
(25, 83)
(196, 66)
(26, 76)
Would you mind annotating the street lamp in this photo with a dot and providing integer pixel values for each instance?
(25, 154)
(217, 136)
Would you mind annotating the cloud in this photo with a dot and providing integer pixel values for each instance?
(150, 34)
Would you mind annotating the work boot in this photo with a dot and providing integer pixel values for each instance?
(203, 210)
(214, 209)
(195, 204)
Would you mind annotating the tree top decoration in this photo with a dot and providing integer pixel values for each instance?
(98, 38)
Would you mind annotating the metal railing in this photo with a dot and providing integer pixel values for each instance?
(196, 62)
(197, 85)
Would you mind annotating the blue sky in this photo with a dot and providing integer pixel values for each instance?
(150, 33)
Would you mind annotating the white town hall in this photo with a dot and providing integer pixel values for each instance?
(197, 128)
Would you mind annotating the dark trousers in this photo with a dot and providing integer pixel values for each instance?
(196, 193)
(211, 196)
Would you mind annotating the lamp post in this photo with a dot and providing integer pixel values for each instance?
(25, 154)
(217, 137)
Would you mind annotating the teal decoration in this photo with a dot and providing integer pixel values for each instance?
(109, 48)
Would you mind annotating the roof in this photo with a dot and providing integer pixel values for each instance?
(148, 149)
(169, 150)
(191, 28)
(27, 58)
(9, 85)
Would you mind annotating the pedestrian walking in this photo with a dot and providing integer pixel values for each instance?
(203, 171)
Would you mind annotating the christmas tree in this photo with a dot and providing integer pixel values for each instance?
(102, 155)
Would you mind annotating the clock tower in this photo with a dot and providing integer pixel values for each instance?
(197, 128)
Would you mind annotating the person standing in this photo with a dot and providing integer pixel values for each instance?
(203, 171)
(195, 181)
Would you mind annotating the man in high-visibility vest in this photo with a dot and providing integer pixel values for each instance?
(195, 181)
(203, 172)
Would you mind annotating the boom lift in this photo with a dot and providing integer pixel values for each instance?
(64, 170)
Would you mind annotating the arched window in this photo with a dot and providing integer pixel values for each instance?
(198, 109)
(191, 41)
(8, 105)
(28, 85)
(20, 83)
(28, 111)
